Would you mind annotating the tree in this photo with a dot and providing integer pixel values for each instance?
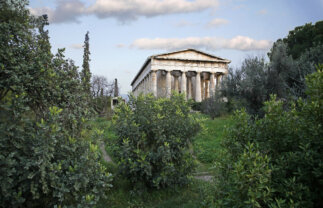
(288, 170)
(86, 73)
(246, 86)
(153, 140)
(303, 38)
(284, 76)
(213, 106)
(282, 73)
(46, 160)
(101, 91)
(101, 86)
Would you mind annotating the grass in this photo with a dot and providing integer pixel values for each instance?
(196, 194)
(173, 197)
(206, 144)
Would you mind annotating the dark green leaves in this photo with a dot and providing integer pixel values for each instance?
(154, 135)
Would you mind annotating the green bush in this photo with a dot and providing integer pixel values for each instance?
(247, 184)
(44, 165)
(292, 141)
(153, 139)
(196, 106)
(213, 106)
(46, 157)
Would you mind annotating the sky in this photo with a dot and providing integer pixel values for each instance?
(124, 33)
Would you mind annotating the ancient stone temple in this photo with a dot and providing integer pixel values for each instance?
(193, 72)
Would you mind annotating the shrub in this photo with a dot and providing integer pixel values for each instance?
(196, 106)
(248, 183)
(46, 158)
(153, 139)
(44, 165)
(213, 106)
(291, 139)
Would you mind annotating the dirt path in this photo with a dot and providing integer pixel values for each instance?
(106, 157)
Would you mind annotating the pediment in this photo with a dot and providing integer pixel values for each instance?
(190, 54)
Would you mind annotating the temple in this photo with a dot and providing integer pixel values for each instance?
(193, 72)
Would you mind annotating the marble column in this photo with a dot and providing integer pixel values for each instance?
(202, 88)
(212, 84)
(206, 89)
(189, 87)
(154, 82)
(198, 97)
(217, 81)
(176, 84)
(168, 84)
(183, 83)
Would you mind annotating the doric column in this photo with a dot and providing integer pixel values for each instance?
(183, 83)
(198, 97)
(176, 83)
(189, 87)
(217, 81)
(154, 83)
(202, 89)
(212, 84)
(168, 84)
(206, 89)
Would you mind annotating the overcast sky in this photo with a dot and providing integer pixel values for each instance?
(123, 33)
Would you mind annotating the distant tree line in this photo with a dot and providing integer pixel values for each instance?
(291, 59)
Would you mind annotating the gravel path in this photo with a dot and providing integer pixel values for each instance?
(106, 157)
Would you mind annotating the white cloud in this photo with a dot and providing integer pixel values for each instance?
(122, 10)
(217, 22)
(210, 43)
(76, 46)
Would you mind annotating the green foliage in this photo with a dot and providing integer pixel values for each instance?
(45, 165)
(193, 195)
(46, 157)
(207, 143)
(303, 38)
(153, 139)
(213, 106)
(291, 60)
(101, 95)
(86, 73)
(247, 182)
(196, 106)
(247, 85)
(292, 141)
